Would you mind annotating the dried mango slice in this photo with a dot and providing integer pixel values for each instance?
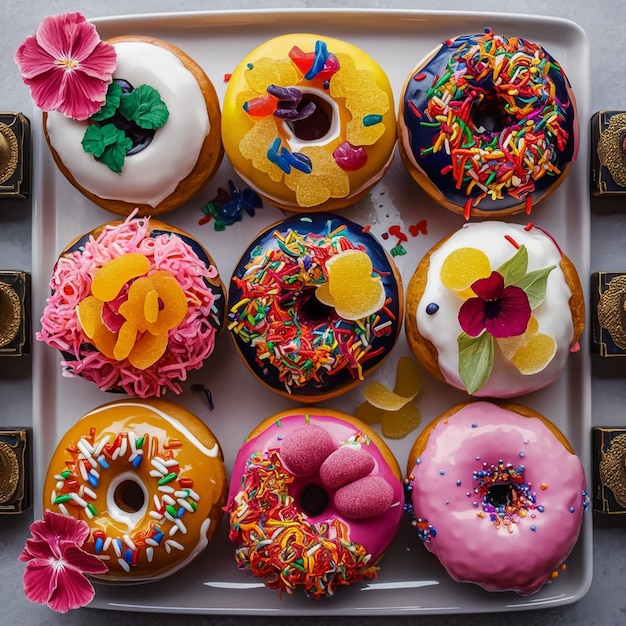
(461, 268)
(352, 290)
(110, 278)
(535, 354)
(398, 424)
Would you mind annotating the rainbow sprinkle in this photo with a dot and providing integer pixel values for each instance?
(276, 541)
(493, 73)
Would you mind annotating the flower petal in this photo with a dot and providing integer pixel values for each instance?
(513, 316)
(60, 528)
(472, 316)
(489, 288)
(72, 591)
(67, 36)
(37, 549)
(101, 62)
(83, 562)
(31, 59)
(40, 580)
(80, 96)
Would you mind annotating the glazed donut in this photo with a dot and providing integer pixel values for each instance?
(134, 306)
(495, 309)
(316, 498)
(294, 337)
(488, 125)
(309, 122)
(497, 494)
(148, 478)
(164, 167)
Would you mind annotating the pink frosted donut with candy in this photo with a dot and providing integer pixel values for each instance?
(316, 498)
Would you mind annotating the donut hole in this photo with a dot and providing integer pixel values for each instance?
(129, 496)
(500, 495)
(489, 115)
(312, 309)
(127, 499)
(321, 125)
(313, 500)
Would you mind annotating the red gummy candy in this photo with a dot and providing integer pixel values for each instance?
(350, 158)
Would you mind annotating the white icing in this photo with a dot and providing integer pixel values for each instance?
(151, 175)
(553, 315)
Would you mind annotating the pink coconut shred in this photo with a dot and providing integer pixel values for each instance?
(189, 344)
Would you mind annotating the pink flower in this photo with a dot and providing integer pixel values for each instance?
(502, 311)
(56, 563)
(67, 66)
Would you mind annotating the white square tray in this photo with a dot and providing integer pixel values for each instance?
(410, 580)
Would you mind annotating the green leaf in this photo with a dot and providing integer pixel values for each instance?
(108, 144)
(515, 268)
(534, 285)
(475, 360)
(114, 94)
(143, 105)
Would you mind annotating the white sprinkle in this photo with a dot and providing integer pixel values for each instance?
(168, 462)
(132, 441)
(180, 494)
(63, 509)
(83, 471)
(59, 484)
(103, 557)
(155, 515)
(182, 502)
(168, 499)
(313, 549)
(157, 502)
(123, 447)
(174, 544)
(95, 473)
(90, 493)
(116, 548)
(88, 513)
(149, 554)
(129, 542)
(166, 489)
(156, 474)
(124, 565)
(173, 530)
(86, 452)
(180, 525)
(107, 544)
(381, 326)
(115, 454)
(194, 495)
(168, 517)
(78, 500)
(151, 542)
(100, 446)
(159, 466)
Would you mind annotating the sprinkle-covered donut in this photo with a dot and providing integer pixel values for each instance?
(488, 124)
(495, 309)
(316, 304)
(315, 500)
(148, 478)
(309, 122)
(497, 494)
(168, 158)
(134, 306)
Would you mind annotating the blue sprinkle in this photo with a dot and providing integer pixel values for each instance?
(469, 494)
(447, 501)
(280, 437)
(158, 537)
(321, 55)
(571, 509)
(478, 458)
(442, 472)
(474, 425)
(181, 512)
(533, 528)
(522, 454)
(249, 66)
(103, 462)
(541, 508)
(93, 481)
(475, 504)
(137, 461)
(432, 308)
(128, 556)
(98, 545)
(458, 483)
(277, 159)
(297, 160)
(418, 461)
(372, 120)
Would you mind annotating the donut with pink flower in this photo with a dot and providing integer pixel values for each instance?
(316, 498)
(133, 122)
(134, 306)
(495, 309)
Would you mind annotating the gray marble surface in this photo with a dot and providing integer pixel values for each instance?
(603, 20)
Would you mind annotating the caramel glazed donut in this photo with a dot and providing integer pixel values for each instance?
(164, 167)
(316, 498)
(488, 125)
(298, 343)
(148, 478)
(309, 122)
(497, 494)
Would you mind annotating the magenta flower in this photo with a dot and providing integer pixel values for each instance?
(67, 66)
(56, 563)
(502, 311)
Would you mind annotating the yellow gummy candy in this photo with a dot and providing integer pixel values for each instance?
(535, 354)
(382, 397)
(398, 424)
(408, 377)
(510, 345)
(352, 290)
(147, 350)
(110, 278)
(89, 313)
(461, 268)
(368, 413)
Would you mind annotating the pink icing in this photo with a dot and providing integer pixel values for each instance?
(517, 551)
(373, 533)
(188, 345)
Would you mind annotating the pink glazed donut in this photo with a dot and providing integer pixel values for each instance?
(315, 500)
(497, 494)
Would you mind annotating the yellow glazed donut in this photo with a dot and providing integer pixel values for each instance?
(148, 478)
(309, 122)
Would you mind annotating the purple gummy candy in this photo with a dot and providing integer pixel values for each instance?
(304, 450)
(363, 498)
(346, 465)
